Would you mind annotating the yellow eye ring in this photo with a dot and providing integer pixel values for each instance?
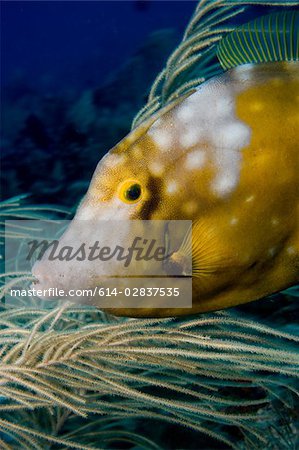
(130, 191)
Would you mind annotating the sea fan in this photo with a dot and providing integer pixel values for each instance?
(74, 377)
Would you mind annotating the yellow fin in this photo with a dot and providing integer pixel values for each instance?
(210, 254)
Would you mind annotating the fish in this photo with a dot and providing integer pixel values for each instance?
(224, 156)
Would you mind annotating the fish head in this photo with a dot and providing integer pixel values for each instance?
(127, 186)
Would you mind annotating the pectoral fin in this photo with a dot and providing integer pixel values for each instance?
(201, 252)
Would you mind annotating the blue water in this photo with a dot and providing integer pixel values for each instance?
(62, 43)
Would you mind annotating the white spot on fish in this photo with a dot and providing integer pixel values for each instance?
(209, 115)
(223, 106)
(156, 169)
(190, 137)
(234, 221)
(233, 135)
(195, 159)
(113, 160)
(291, 250)
(162, 138)
(244, 72)
(171, 187)
(227, 156)
(185, 112)
(250, 199)
(224, 185)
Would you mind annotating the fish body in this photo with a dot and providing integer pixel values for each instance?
(226, 157)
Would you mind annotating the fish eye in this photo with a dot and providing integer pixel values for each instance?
(130, 191)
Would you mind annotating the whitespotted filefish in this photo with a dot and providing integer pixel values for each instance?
(226, 156)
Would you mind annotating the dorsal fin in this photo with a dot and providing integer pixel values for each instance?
(270, 38)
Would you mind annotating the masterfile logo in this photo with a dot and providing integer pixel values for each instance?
(109, 264)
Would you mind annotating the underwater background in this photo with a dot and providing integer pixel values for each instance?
(73, 76)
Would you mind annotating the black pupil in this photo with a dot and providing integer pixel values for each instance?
(133, 193)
